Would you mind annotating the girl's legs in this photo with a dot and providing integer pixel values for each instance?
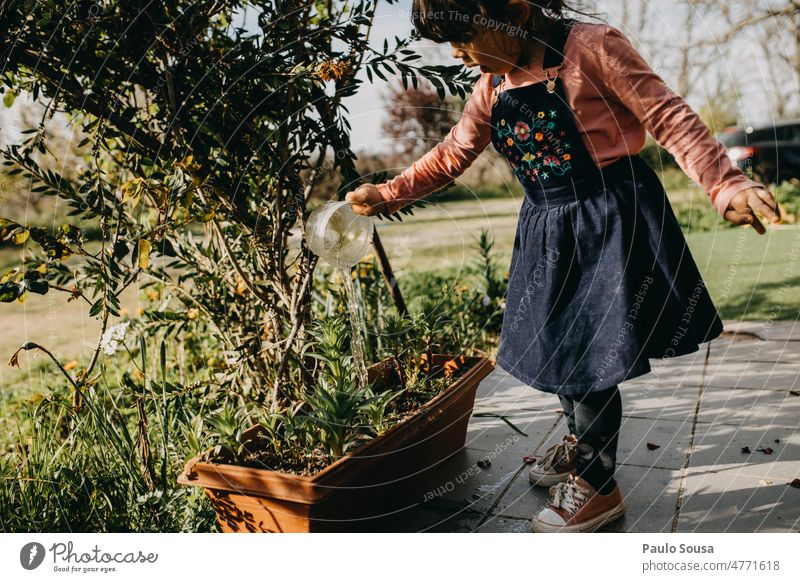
(568, 406)
(595, 418)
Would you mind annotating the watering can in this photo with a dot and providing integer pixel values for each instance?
(338, 235)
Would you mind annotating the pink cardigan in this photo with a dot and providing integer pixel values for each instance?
(616, 98)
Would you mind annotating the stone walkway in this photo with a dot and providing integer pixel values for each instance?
(702, 410)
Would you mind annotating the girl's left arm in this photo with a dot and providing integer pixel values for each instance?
(677, 128)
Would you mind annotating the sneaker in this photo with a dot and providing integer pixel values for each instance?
(557, 463)
(577, 507)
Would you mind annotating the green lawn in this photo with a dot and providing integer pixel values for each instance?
(749, 276)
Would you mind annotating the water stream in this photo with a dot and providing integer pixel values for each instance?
(356, 341)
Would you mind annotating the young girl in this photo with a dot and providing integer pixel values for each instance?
(601, 278)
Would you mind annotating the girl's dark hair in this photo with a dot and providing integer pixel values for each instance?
(455, 20)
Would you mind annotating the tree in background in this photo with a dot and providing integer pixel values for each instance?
(417, 119)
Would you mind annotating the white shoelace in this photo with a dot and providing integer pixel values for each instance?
(555, 453)
(569, 495)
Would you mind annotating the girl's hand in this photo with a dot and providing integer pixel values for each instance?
(743, 206)
(366, 200)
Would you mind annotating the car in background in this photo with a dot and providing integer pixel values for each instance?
(769, 154)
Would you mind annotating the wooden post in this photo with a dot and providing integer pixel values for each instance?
(388, 274)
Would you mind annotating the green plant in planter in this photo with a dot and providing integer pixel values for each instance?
(336, 407)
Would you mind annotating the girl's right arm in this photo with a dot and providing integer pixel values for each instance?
(439, 166)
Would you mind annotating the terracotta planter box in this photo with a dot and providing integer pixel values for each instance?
(360, 487)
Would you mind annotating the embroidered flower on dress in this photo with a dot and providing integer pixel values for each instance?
(540, 115)
(528, 157)
(539, 136)
(567, 157)
(510, 141)
(522, 130)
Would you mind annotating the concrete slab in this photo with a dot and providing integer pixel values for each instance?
(493, 434)
(753, 375)
(522, 499)
(672, 437)
(726, 501)
(729, 350)
(667, 372)
(659, 402)
(464, 484)
(650, 500)
(749, 407)
(502, 393)
(718, 447)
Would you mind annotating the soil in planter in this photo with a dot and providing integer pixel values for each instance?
(260, 457)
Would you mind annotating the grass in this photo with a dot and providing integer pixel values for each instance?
(751, 277)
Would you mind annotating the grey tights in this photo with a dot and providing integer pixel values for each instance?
(595, 418)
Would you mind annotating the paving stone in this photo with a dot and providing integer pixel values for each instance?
(727, 501)
(493, 434)
(522, 499)
(667, 372)
(659, 402)
(502, 393)
(671, 436)
(650, 499)
(463, 484)
(718, 447)
(729, 350)
(749, 407)
(753, 375)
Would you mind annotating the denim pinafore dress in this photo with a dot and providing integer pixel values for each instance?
(601, 278)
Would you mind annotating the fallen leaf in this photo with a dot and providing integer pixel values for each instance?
(483, 463)
(746, 450)
(528, 459)
(795, 483)
(777, 440)
(765, 482)
(766, 450)
(652, 447)
(794, 392)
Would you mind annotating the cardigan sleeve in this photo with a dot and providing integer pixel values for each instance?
(450, 157)
(669, 119)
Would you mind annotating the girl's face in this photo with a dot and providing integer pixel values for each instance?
(494, 51)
